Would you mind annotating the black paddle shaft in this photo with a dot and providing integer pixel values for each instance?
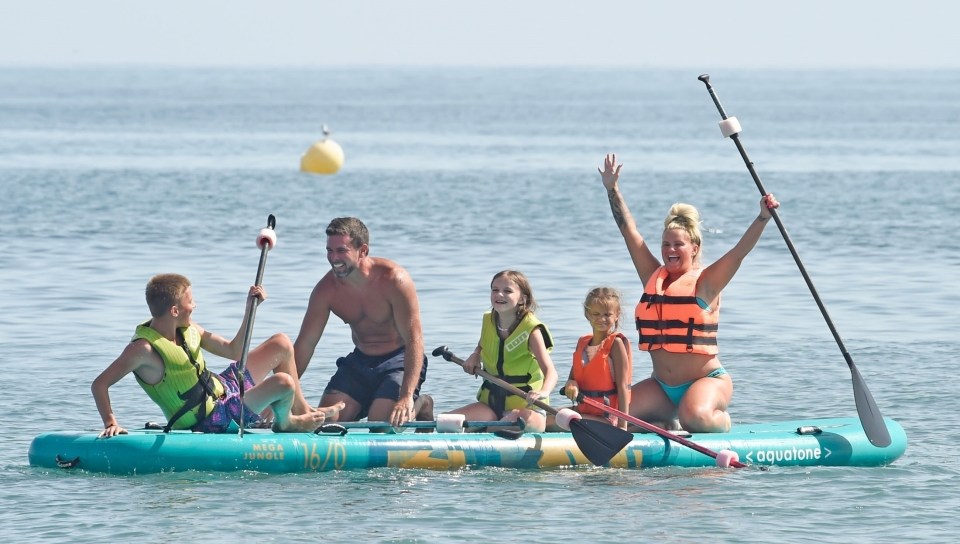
(251, 315)
(870, 417)
(252, 312)
(442, 351)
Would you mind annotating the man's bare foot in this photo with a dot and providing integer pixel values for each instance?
(330, 412)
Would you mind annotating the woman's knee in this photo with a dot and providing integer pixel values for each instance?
(701, 417)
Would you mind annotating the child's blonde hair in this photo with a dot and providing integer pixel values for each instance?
(604, 296)
(164, 291)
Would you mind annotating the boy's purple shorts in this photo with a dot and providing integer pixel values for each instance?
(227, 409)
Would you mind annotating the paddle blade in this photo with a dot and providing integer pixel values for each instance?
(599, 441)
(870, 417)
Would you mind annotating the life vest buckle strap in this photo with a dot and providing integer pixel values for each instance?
(605, 396)
(193, 397)
(666, 324)
(494, 387)
(667, 299)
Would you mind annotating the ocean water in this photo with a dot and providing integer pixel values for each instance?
(111, 175)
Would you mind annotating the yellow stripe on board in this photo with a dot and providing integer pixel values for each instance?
(436, 459)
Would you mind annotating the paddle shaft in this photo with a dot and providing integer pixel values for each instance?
(510, 388)
(597, 440)
(783, 229)
(251, 315)
(653, 428)
(467, 424)
(869, 413)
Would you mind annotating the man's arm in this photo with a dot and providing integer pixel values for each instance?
(406, 316)
(311, 329)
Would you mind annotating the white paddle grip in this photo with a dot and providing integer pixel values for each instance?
(266, 236)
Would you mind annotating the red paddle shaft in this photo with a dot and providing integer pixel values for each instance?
(654, 429)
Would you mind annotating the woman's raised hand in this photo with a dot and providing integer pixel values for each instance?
(611, 171)
(767, 203)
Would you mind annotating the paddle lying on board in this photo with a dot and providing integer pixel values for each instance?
(266, 239)
(342, 428)
(598, 441)
(653, 428)
(873, 425)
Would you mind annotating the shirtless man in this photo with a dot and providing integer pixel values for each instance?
(166, 358)
(380, 379)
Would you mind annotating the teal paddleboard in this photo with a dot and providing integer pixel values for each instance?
(813, 442)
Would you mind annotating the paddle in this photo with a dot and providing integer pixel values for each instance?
(652, 428)
(598, 441)
(870, 417)
(266, 239)
(342, 428)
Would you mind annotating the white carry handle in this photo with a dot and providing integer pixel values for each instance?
(565, 416)
(450, 423)
(729, 127)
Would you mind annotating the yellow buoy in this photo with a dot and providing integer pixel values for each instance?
(323, 157)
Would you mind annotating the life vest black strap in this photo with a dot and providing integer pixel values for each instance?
(598, 394)
(676, 324)
(688, 339)
(497, 397)
(196, 395)
(677, 339)
(667, 299)
(193, 397)
(524, 380)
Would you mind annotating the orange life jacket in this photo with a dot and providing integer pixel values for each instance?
(674, 319)
(594, 377)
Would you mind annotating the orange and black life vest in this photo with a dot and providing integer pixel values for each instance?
(594, 376)
(674, 319)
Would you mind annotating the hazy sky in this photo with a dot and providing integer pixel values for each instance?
(663, 33)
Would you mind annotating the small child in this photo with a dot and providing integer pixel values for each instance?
(166, 356)
(515, 346)
(602, 362)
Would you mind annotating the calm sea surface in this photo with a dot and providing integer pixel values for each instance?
(112, 175)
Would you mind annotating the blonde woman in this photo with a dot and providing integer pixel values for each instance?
(679, 313)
